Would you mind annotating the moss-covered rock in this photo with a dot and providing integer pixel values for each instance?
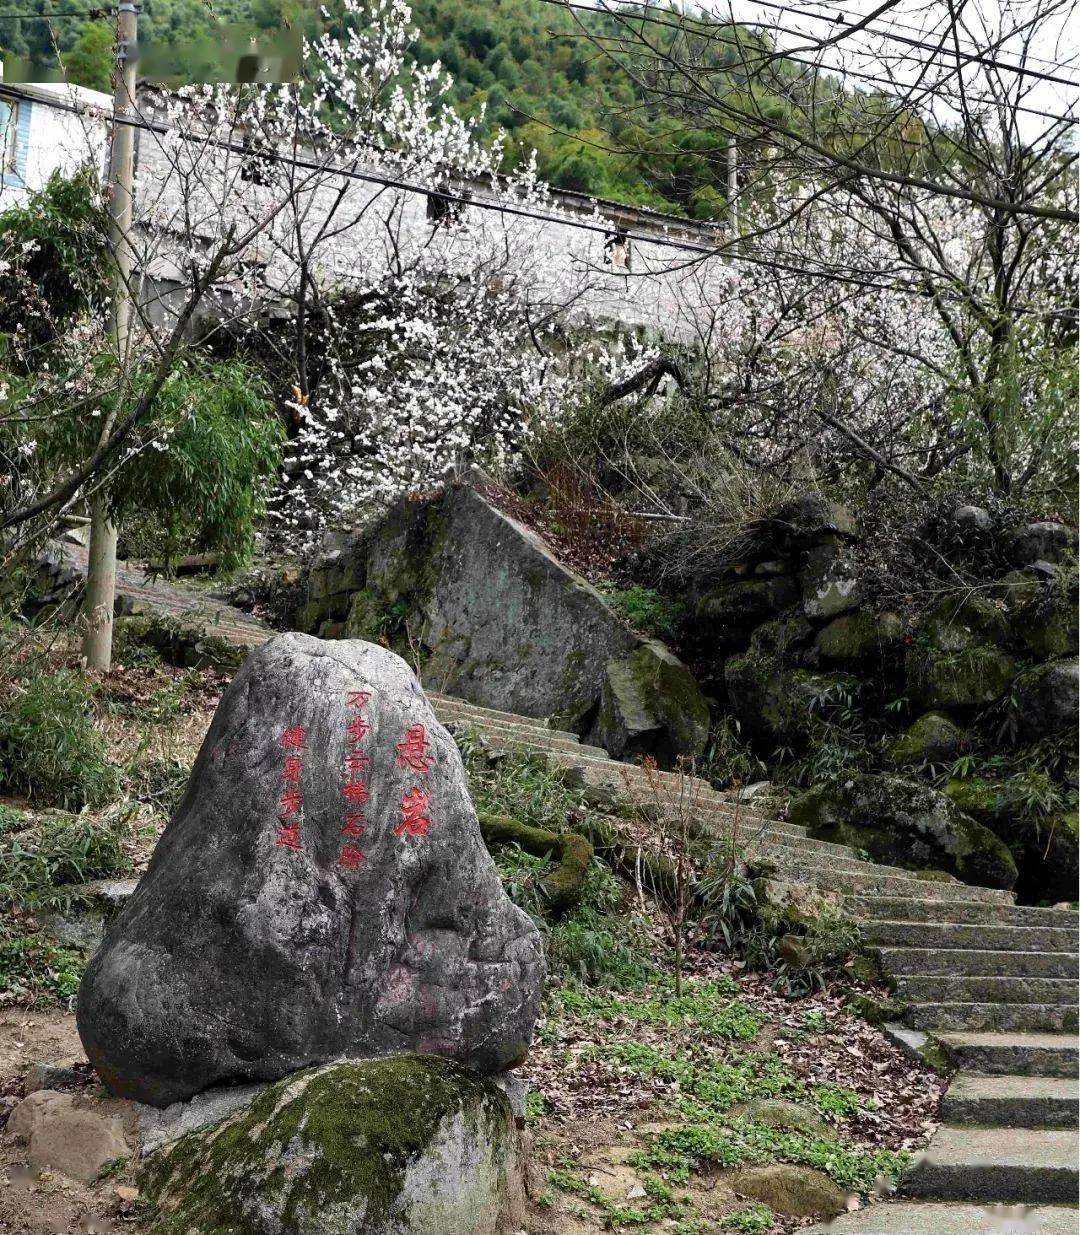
(905, 823)
(563, 884)
(771, 700)
(726, 615)
(650, 704)
(1047, 622)
(785, 637)
(857, 637)
(184, 644)
(1047, 698)
(789, 1189)
(1043, 844)
(413, 1145)
(960, 656)
(830, 581)
(933, 738)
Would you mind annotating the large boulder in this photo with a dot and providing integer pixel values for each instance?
(651, 705)
(960, 656)
(858, 638)
(322, 891)
(1043, 845)
(726, 614)
(932, 739)
(1040, 542)
(830, 581)
(1048, 622)
(811, 517)
(498, 619)
(905, 823)
(1047, 698)
(414, 1145)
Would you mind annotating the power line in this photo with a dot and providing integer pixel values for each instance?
(870, 283)
(841, 15)
(707, 31)
(88, 14)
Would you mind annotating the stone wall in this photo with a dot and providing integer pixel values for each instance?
(498, 620)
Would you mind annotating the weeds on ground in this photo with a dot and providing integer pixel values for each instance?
(49, 748)
(34, 967)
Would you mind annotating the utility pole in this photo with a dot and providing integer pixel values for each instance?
(101, 570)
(733, 185)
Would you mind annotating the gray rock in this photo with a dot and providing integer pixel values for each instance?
(163, 1127)
(797, 1191)
(960, 655)
(70, 1133)
(970, 520)
(650, 705)
(905, 823)
(771, 700)
(830, 583)
(264, 937)
(414, 1145)
(1050, 542)
(504, 623)
(933, 738)
(788, 1116)
(52, 1076)
(856, 637)
(726, 615)
(1048, 698)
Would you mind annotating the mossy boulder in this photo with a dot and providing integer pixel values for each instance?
(786, 637)
(650, 704)
(184, 644)
(1048, 623)
(855, 638)
(811, 517)
(1048, 698)
(933, 738)
(905, 823)
(771, 700)
(1043, 844)
(726, 615)
(1045, 542)
(797, 1191)
(413, 1145)
(787, 1116)
(830, 581)
(960, 657)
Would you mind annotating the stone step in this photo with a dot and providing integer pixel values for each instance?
(458, 716)
(955, 910)
(1014, 1054)
(1012, 1101)
(765, 841)
(951, 1218)
(791, 860)
(947, 988)
(947, 936)
(557, 753)
(997, 1017)
(974, 963)
(907, 886)
(481, 713)
(1029, 1165)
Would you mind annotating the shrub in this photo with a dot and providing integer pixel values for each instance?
(49, 749)
(40, 857)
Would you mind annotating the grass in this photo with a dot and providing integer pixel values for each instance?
(32, 967)
(42, 855)
(710, 1009)
(49, 748)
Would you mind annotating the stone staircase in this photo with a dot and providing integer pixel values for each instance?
(991, 983)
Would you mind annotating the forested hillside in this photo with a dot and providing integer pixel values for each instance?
(527, 63)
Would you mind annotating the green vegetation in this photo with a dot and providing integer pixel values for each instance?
(49, 748)
(33, 967)
(645, 609)
(711, 1009)
(41, 855)
(754, 1220)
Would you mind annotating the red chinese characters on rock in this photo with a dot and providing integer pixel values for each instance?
(415, 819)
(291, 802)
(414, 751)
(414, 754)
(355, 789)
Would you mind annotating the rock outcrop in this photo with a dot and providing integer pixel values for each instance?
(409, 1146)
(905, 823)
(502, 623)
(322, 891)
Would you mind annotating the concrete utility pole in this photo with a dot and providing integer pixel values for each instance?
(101, 572)
(733, 185)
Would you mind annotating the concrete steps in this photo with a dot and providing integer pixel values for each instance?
(992, 1017)
(1012, 1101)
(915, 1218)
(1017, 1054)
(953, 988)
(956, 911)
(975, 963)
(1018, 1165)
(954, 937)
